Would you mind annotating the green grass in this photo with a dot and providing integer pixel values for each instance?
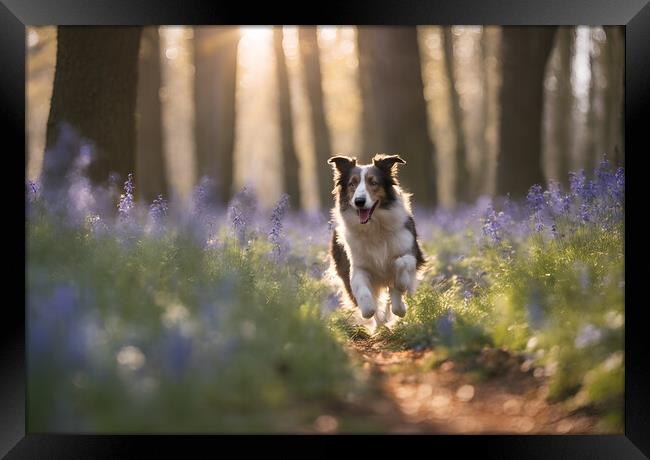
(261, 357)
(533, 298)
(157, 333)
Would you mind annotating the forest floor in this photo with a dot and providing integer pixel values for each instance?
(480, 394)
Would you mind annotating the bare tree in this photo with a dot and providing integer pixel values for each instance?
(215, 79)
(291, 163)
(594, 146)
(394, 109)
(614, 71)
(95, 88)
(563, 113)
(151, 174)
(313, 83)
(525, 51)
(489, 75)
(463, 188)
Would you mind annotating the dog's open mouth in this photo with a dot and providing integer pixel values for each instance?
(364, 214)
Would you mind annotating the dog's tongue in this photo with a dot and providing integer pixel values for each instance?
(364, 215)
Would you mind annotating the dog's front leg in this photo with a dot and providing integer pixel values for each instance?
(361, 289)
(405, 267)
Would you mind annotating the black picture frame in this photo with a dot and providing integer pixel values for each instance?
(15, 15)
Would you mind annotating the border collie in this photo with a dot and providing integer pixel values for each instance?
(374, 244)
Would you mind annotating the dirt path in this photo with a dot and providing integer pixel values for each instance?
(410, 396)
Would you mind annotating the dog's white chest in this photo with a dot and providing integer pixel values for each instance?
(376, 250)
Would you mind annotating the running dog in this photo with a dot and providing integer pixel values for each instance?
(374, 245)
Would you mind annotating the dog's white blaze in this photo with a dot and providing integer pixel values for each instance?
(360, 192)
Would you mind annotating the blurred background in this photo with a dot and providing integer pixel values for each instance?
(473, 110)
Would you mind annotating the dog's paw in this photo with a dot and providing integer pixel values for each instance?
(367, 306)
(381, 317)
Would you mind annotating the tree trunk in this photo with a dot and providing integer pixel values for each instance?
(595, 135)
(490, 38)
(313, 84)
(151, 173)
(614, 68)
(291, 164)
(215, 79)
(94, 91)
(463, 188)
(563, 116)
(394, 109)
(525, 51)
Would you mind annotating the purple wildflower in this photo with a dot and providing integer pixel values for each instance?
(559, 202)
(604, 176)
(204, 194)
(275, 234)
(238, 224)
(126, 199)
(158, 209)
(619, 184)
(535, 198)
(579, 185)
(491, 225)
(241, 210)
(585, 213)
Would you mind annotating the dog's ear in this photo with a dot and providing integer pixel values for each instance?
(387, 162)
(341, 164)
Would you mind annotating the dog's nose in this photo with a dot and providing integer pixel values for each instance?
(359, 202)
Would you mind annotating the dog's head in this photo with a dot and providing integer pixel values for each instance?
(363, 188)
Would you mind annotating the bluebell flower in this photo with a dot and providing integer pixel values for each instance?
(126, 203)
(619, 185)
(535, 198)
(604, 176)
(238, 224)
(204, 196)
(559, 202)
(585, 213)
(491, 225)
(275, 234)
(576, 181)
(240, 211)
(158, 209)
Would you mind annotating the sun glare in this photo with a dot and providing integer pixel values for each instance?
(256, 35)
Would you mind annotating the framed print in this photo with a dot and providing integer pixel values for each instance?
(398, 220)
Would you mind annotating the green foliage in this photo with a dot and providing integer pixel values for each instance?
(175, 337)
(556, 301)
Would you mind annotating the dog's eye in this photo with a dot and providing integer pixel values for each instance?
(373, 182)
